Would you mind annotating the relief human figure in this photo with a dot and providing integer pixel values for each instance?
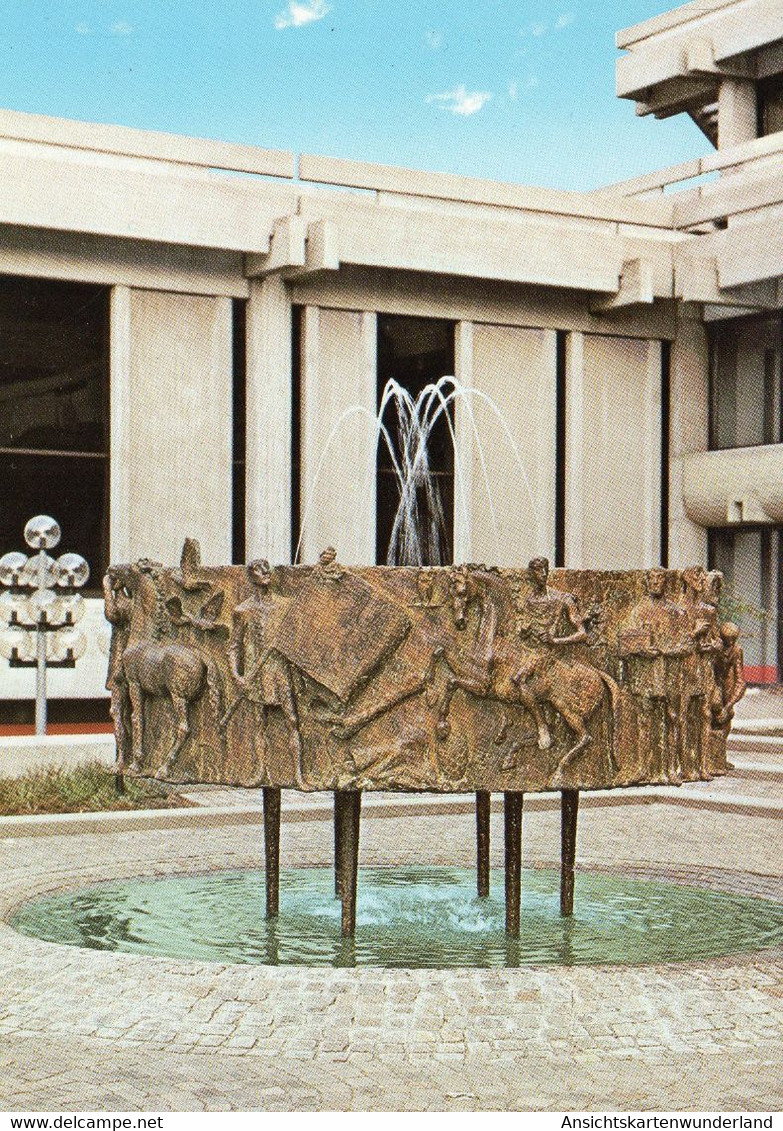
(329, 569)
(503, 669)
(655, 641)
(547, 618)
(728, 667)
(118, 606)
(702, 593)
(262, 674)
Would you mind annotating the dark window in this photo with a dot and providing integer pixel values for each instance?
(239, 431)
(416, 352)
(666, 386)
(745, 382)
(54, 414)
(770, 106)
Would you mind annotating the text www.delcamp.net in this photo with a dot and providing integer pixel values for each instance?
(85, 1123)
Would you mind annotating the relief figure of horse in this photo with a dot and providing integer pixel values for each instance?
(503, 669)
(154, 664)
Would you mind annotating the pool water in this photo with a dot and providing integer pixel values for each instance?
(406, 917)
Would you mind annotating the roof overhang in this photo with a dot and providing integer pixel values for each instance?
(676, 62)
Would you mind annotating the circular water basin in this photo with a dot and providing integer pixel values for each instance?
(406, 917)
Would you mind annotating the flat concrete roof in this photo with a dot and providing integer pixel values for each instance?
(684, 14)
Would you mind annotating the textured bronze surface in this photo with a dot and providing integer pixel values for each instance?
(450, 679)
(512, 827)
(272, 849)
(569, 811)
(483, 812)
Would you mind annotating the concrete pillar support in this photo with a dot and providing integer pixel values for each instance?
(613, 452)
(463, 456)
(514, 375)
(737, 112)
(688, 429)
(339, 394)
(268, 400)
(651, 470)
(119, 424)
(170, 388)
(574, 449)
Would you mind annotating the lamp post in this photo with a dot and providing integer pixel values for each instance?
(40, 608)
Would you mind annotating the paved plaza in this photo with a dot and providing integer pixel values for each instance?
(93, 1030)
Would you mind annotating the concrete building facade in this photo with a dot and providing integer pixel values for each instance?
(190, 353)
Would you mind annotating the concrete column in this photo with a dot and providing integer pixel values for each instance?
(651, 470)
(119, 424)
(170, 465)
(463, 455)
(516, 368)
(574, 450)
(338, 434)
(737, 112)
(613, 453)
(268, 399)
(688, 430)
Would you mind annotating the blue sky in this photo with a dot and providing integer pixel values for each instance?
(520, 91)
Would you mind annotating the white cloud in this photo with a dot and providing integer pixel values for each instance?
(82, 28)
(564, 20)
(434, 39)
(513, 91)
(461, 101)
(538, 30)
(121, 27)
(301, 12)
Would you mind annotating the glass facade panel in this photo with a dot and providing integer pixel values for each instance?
(745, 382)
(415, 352)
(54, 413)
(750, 559)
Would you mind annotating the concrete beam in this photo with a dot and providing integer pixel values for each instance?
(489, 301)
(699, 278)
(673, 19)
(759, 151)
(83, 258)
(636, 288)
(731, 196)
(73, 192)
(728, 488)
(523, 251)
(676, 95)
(749, 253)
(446, 186)
(700, 60)
(321, 251)
(286, 249)
(123, 141)
(737, 29)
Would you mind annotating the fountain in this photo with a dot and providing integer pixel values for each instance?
(420, 677)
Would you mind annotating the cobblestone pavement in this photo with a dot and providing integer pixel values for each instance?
(761, 703)
(93, 1030)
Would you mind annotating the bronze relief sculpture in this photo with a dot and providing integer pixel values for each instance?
(462, 679)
